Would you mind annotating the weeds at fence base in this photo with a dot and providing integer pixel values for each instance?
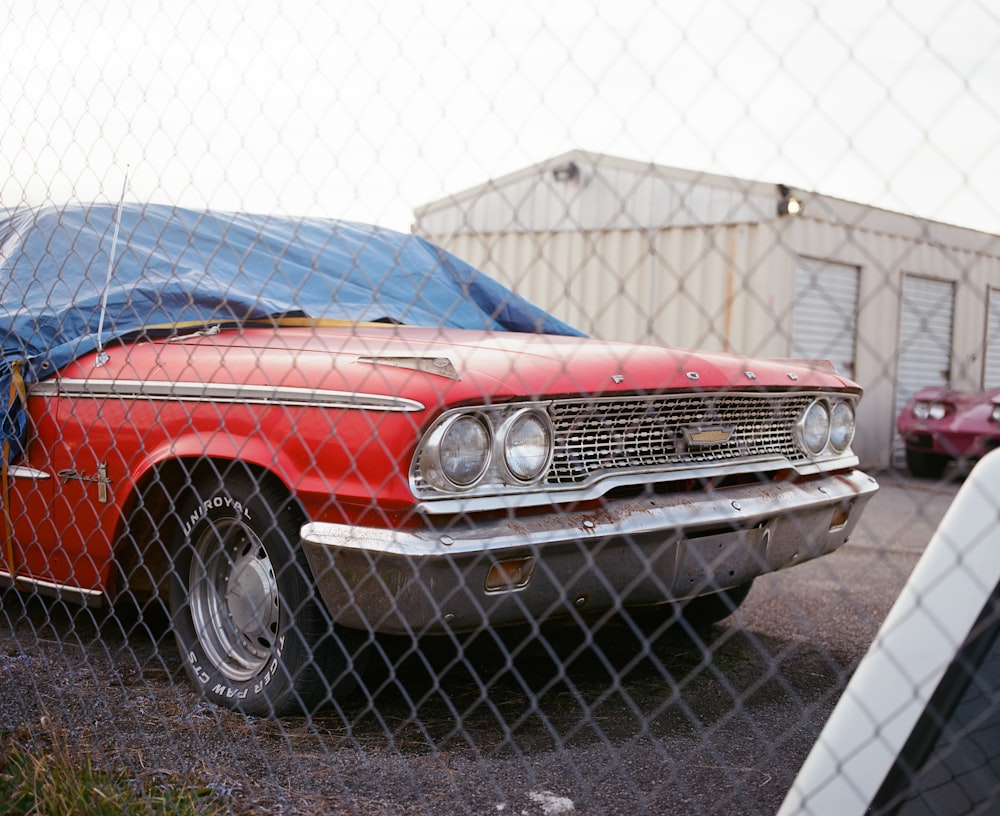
(40, 774)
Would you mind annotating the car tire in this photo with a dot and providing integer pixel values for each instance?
(251, 632)
(708, 609)
(925, 465)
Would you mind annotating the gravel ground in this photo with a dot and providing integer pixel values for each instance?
(552, 722)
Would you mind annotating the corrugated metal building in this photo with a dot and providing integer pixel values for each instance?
(635, 251)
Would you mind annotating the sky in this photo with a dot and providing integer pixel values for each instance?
(369, 110)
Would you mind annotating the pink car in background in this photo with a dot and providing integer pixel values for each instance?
(939, 426)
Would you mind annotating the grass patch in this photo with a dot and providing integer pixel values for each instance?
(39, 775)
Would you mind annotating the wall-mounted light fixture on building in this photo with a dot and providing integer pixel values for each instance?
(788, 204)
(566, 172)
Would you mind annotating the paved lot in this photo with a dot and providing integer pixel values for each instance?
(564, 722)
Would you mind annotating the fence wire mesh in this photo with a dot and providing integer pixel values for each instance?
(448, 515)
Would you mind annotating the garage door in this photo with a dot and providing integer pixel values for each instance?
(825, 318)
(924, 335)
(925, 331)
(991, 369)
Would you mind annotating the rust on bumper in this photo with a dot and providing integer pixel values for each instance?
(627, 552)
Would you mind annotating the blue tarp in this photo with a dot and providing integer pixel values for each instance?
(179, 266)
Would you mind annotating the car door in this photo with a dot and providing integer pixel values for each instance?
(49, 507)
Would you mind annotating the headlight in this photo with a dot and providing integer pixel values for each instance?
(814, 427)
(527, 445)
(995, 414)
(486, 449)
(930, 410)
(842, 425)
(463, 450)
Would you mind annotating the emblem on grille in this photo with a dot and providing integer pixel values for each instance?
(618, 379)
(704, 436)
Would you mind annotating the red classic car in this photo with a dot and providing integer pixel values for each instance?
(939, 426)
(292, 479)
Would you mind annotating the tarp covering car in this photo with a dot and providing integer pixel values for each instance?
(69, 286)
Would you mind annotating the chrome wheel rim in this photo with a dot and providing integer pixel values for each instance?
(235, 604)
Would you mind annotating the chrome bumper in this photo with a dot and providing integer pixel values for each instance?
(625, 552)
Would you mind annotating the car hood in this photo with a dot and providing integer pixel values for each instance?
(432, 365)
(960, 399)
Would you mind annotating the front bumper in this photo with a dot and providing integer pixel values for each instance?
(954, 444)
(625, 552)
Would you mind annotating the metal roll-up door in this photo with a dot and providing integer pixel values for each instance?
(825, 316)
(925, 339)
(991, 367)
(925, 332)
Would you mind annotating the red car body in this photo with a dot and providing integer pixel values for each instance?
(939, 426)
(334, 420)
(241, 417)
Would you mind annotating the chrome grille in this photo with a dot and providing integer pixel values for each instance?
(607, 435)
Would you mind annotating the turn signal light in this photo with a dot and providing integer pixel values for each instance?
(840, 515)
(505, 576)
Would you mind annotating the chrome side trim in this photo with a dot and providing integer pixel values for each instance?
(222, 392)
(84, 597)
(24, 472)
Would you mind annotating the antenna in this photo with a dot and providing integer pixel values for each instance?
(102, 355)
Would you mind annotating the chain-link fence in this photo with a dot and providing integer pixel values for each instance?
(448, 514)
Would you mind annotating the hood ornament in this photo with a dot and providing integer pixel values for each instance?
(441, 366)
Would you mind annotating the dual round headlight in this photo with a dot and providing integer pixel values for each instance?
(826, 426)
(472, 448)
(526, 440)
(930, 410)
(464, 449)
